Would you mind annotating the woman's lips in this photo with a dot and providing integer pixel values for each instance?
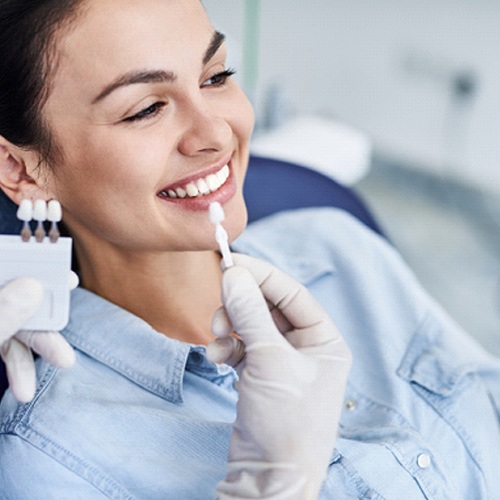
(202, 186)
(197, 194)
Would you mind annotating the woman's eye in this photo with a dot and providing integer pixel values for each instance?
(219, 79)
(148, 112)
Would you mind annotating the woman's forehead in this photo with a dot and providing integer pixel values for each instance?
(115, 24)
(112, 37)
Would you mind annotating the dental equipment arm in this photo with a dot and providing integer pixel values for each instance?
(19, 299)
(293, 367)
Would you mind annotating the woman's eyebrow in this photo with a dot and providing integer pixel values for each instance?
(157, 76)
(217, 40)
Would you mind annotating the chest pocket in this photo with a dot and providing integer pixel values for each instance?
(449, 381)
(429, 366)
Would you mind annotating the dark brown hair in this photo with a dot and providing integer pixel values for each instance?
(28, 32)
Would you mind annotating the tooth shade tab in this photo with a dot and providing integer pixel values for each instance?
(25, 210)
(216, 212)
(200, 187)
(54, 211)
(216, 216)
(40, 210)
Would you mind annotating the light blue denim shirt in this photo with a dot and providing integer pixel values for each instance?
(142, 416)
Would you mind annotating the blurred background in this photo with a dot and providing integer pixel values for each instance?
(401, 101)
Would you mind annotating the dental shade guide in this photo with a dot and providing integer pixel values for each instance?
(54, 215)
(216, 215)
(25, 213)
(37, 257)
(40, 215)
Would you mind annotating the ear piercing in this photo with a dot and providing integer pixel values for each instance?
(40, 211)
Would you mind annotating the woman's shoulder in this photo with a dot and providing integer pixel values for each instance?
(318, 240)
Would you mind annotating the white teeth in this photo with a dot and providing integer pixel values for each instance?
(201, 187)
(181, 193)
(191, 190)
(213, 182)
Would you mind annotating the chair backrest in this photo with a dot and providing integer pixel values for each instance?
(274, 185)
(271, 186)
(8, 225)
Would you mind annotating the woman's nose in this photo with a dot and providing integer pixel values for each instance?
(204, 131)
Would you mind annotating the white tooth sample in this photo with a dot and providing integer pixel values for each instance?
(216, 215)
(181, 193)
(203, 187)
(54, 215)
(40, 210)
(192, 190)
(40, 215)
(54, 211)
(172, 193)
(25, 213)
(25, 210)
(213, 183)
(225, 171)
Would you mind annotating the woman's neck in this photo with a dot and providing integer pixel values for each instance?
(175, 292)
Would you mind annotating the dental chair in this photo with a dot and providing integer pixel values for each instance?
(275, 185)
(271, 186)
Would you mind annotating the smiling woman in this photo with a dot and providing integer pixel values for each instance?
(125, 111)
(134, 123)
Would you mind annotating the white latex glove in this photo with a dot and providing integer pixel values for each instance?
(19, 299)
(292, 380)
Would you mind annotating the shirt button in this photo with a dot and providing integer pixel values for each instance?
(196, 357)
(350, 405)
(423, 460)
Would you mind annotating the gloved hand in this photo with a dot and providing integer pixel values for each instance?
(293, 370)
(19, 299)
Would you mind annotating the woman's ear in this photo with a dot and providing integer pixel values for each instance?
(15, 181)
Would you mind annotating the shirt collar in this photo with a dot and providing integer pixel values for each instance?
(128, 345)
(284, 240)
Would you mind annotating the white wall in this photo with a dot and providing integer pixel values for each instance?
(387, 67)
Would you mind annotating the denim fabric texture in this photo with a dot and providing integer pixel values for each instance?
(142, 416)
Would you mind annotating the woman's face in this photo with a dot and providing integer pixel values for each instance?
(148, 121)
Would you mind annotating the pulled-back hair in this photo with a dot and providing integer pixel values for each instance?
(28, 32)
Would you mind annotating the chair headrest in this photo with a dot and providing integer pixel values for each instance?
(9, 224)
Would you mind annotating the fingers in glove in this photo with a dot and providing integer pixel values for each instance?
(222, 327)
(51, 346)
(229, 350)
(19, 299)
(247, 309)
(221, 324)
(294, 301)
(20, 368)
